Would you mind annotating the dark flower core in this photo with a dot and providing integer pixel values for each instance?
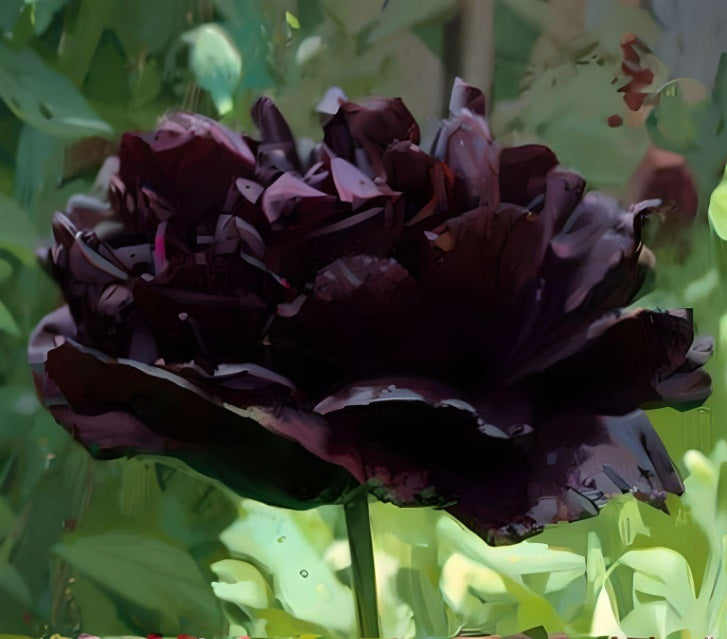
(448, 328)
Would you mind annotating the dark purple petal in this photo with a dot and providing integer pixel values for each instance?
(245, 430)
(387, 431)
(623, 361)
(592, 265)
(372, 126)
(523, 170)
(465, 143)
(363, 293)
(190, 161)
(465, 96)
(277, 147)
(579, 461)
(195, 325)
(283, 195)
(449, 329)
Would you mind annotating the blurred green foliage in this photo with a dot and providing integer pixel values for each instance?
(135, 546)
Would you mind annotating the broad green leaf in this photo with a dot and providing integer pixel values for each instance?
(43, 12)
(216, 63)
(147, 572)
(663, 573)
(39, 169)
(490, 584)
(83, 29)
(242, 584)
(15, 599)
(12, 585)
(9, 13)
(400, 14)
(6, 270)
(292, 547)
(43, 97)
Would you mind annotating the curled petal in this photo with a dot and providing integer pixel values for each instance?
(523, 171)
(277, 147)
(623, 362)
(465, 96)
(190, 162)
(353, 186)
(117, 407)
(465, 144)
(282, 195)
(372, 126)
(387, 431)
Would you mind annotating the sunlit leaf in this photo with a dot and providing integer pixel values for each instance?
(718, 208)
(292, 21)
(43, 97)
(291, 546)
(216, 63)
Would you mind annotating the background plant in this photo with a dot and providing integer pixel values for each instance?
(136, 546)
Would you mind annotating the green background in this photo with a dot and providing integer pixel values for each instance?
(136, 546)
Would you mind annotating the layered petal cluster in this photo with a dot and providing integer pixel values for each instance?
(449, 328)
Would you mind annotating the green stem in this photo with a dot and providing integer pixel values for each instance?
(362, 564)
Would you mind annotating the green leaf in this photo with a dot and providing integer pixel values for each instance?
(6, 270)
(44, 98)
(399, 15)
(718, 208)
(12, 585)
(292, 21)
(663, 573)
(43, 12)
(242, 584)
(18, 232)
(7, 323)
(83, 30)
(294, 547)
(15, 597)
(671, 123)
(38, 169)
(216, 63)
(9, 13)
(146, 572)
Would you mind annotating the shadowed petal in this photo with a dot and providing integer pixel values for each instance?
(373, 125)
(387, 431)
(585, 458)
(277, 147)
(246, 436)
(464, 142)
(624, 361)
(522, 172)
(465, 96)
(190, 161)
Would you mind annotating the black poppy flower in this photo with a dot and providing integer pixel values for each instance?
(451, 329)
